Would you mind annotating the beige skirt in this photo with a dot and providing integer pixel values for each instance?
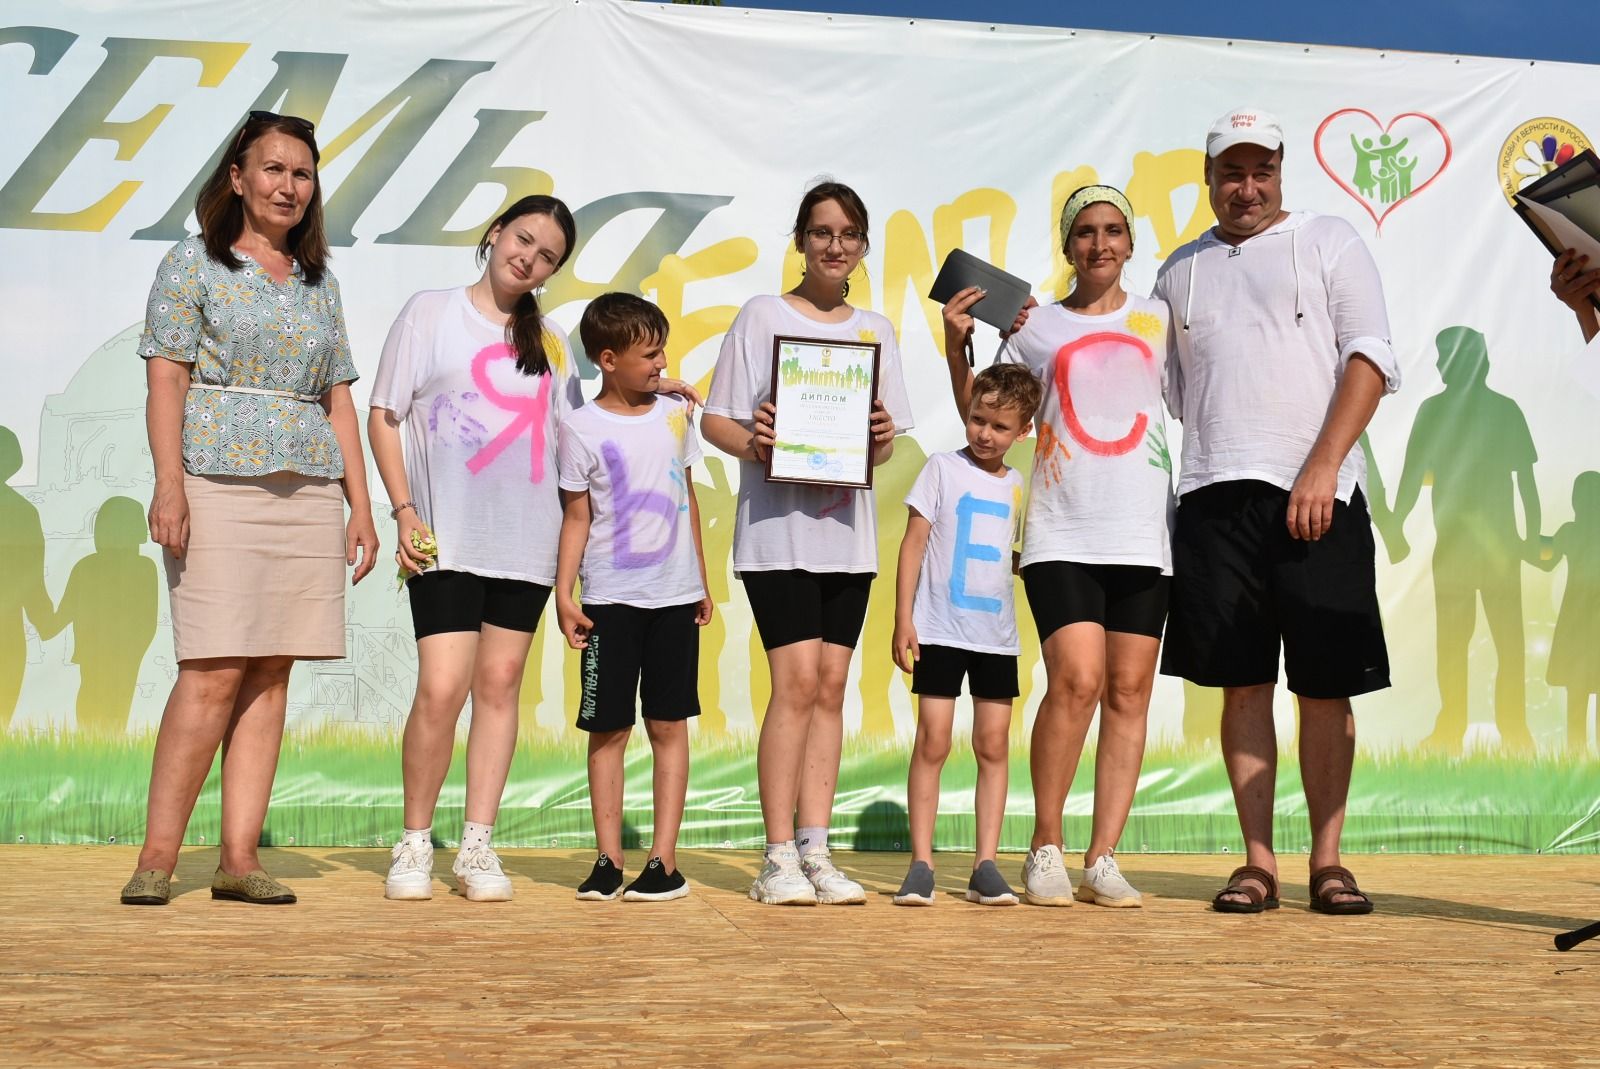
(264, 575)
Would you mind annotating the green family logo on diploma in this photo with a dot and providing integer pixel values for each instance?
(822, 391)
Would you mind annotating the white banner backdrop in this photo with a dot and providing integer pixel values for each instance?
(683, 138)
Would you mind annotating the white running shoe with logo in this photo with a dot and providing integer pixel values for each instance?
(480, 877)
(781, 883)
(1104, 885)
(1044, 878)
(410, 876)
(834, 888)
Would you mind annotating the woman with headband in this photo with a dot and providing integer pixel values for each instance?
(1096, 550)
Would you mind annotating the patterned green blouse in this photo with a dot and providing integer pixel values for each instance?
(284, 345)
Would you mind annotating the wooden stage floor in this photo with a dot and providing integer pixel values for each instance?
(1456, 969)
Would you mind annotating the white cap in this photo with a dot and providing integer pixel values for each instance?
(1243, 126)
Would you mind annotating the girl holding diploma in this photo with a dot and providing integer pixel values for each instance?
(807, 554)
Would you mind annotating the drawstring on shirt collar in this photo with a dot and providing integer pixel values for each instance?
(1294, 260)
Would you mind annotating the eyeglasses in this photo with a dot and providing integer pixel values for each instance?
(821, 238)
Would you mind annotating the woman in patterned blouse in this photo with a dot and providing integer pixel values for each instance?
(253, 433)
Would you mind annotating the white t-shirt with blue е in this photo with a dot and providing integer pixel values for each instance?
(641, 549)
(964, 591)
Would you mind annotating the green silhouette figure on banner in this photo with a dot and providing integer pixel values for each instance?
(891, 481)
(22, 588)
(1575, 649)
(717, 507)
(1362, 179)
(110, 604)
(1472, 444)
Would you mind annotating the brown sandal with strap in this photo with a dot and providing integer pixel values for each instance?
(1258, 902)
(1334, 880)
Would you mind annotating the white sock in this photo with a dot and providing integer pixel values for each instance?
(809, 839)
(418, 836)
(474, 835)
(773, 848)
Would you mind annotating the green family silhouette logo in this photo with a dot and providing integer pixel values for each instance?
(1382, 165)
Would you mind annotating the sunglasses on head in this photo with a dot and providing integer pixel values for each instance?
(294, 121)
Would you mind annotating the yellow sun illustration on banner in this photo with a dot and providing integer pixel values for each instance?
(1145, 325)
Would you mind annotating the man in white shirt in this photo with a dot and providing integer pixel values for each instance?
(1281, 353)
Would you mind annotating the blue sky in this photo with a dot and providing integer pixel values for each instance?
(1566, 30)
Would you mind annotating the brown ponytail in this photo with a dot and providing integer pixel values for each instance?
(525, 327)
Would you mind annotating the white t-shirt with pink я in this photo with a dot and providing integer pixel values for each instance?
(479, 435)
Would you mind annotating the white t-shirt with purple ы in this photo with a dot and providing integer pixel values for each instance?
(964, 591)
(641, 549)
(480, 436)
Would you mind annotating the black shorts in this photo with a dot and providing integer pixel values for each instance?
(639, 659)
(462, 601)
(939, 670)
(794, 606)
(1128, 598)
(1242, 584)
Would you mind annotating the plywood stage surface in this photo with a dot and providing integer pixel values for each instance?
(1455, 969)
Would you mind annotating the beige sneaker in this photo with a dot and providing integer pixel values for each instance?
(1104, 885)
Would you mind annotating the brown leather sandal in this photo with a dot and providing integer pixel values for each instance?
(1236, 886)
(1337, 880)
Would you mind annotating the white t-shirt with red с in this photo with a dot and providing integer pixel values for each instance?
(1101, 491)
(641, 548)
(480, 436)
(1262, 334)
(964, 590)
(788, 525)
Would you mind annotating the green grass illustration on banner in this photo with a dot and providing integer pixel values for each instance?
(338, 787)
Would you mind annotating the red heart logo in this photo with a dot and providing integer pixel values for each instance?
(1382, 188)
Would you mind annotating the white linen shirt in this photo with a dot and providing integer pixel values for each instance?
(1262, 332)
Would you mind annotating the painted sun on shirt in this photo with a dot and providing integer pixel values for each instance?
(867, 335)
(1145, 325)
(554, 351)
(678, 423)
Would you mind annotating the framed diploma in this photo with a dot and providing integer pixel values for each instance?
(823, 392)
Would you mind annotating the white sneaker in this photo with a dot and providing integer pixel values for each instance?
(1044, 878)
(1104, 885)
(480, 877)
(781, 882)
(410, 876)
(834, 888)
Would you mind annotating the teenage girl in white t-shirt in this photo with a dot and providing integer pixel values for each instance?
(806, 554)
(1096, 551)
(479, 381)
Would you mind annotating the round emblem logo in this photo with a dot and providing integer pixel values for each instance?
(1536, 148)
